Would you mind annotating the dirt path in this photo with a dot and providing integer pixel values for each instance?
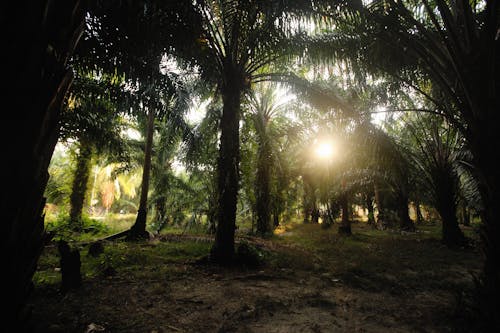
(307, 291)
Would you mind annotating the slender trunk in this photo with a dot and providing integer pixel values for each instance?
(276, 219)
(345, 222)
(309, 200)
(371, 210)
(228, 177)
(212, 208)
(160, 215)
(262, 190)
(465, 215)
(381, 222)
(418, 213)
(138, 230)
(38, 79)
(92, 193)
(315, 214)
(79, 187)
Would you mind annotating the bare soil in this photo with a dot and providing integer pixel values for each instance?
(311, 281)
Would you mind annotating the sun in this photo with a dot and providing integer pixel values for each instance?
(325, 150)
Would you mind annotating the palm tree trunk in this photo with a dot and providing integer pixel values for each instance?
(79, 187)
(228, 177)
(405, 222)
(452, 236)
(418, 213)
(369, 206)
(38, 80)
(446, 206)
(263, 192)
(138, 230)
(345, 222)
(486, 160)
(381, 222)
(465, 215)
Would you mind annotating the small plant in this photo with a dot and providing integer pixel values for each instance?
(61, 228)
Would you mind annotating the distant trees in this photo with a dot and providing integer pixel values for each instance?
(453, 46)
(436, 149)
(91, 118)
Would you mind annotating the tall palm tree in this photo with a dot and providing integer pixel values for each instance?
(454, 45)
(41, 38)
(236, 40)
(91, 118)
(165, 98)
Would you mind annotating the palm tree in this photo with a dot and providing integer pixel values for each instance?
(38, 76)
(264, 108)
(453, 45)
(91, 118)
(237, 39)
(436, 154)
(165, 97)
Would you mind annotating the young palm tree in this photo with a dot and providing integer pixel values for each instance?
(436, 153)
(264, 108)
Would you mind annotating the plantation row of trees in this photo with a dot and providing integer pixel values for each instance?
(108, 65)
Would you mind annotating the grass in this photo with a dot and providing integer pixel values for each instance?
(386, 271)
(134, 260)
(383, 260)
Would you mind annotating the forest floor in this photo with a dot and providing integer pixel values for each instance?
(311, 280)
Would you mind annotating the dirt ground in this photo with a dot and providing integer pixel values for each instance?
(314, 281)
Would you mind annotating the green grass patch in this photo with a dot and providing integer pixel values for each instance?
(124, 259)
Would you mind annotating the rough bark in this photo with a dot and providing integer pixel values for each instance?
(228, 171)
(446, 206)
(138, 230)
(40, 36)
(486, 160)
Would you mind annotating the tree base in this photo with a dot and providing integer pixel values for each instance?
(345, 230)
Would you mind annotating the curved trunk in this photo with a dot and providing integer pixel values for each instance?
(38, 80)
(228, 173)
(138, 230)
(79, 187)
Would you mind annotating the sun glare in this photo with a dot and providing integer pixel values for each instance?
(325, 150)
